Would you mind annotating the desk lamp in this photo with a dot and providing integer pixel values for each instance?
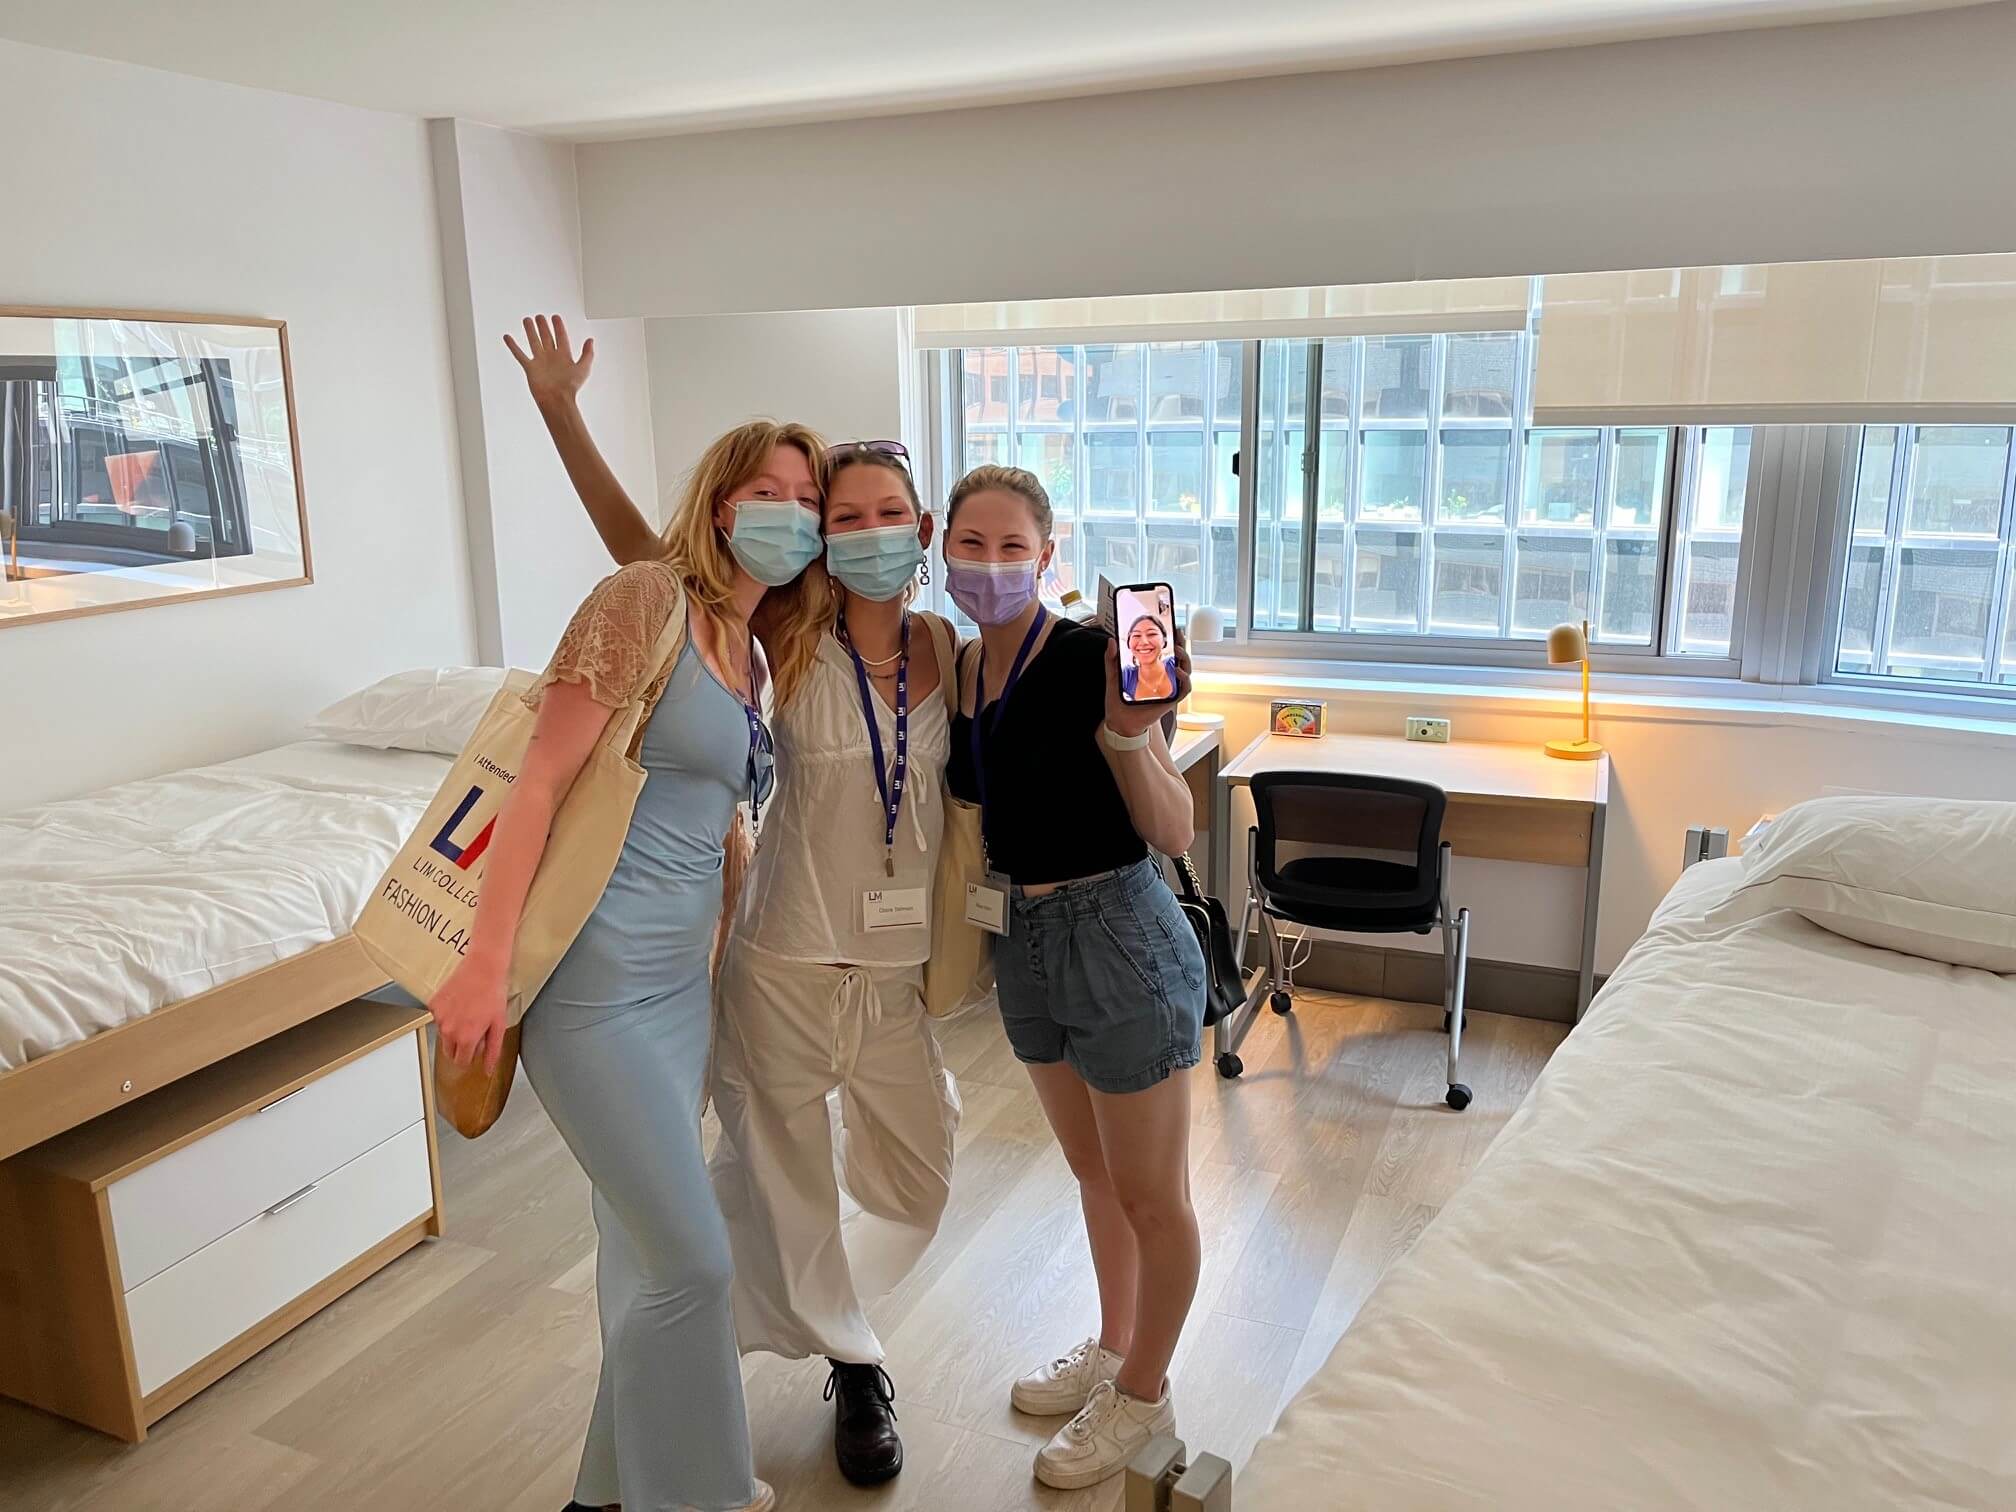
(1566, 646)
(1207, 624)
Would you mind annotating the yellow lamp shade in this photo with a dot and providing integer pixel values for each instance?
(1566, 645)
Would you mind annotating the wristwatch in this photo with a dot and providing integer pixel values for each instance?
(1121, 742)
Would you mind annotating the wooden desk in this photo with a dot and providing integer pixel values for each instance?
(1506, 803)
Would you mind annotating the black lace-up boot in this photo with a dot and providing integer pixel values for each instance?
(864, 1423)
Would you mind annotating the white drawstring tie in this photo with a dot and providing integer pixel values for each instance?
(856, 995)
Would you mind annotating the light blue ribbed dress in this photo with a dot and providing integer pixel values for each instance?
(617, 1046)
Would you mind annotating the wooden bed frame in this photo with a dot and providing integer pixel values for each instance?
(77, 1083)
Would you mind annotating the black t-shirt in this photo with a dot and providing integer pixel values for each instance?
(1054, 812)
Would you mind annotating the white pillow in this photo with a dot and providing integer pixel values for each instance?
(433, 709)
(1931, 877)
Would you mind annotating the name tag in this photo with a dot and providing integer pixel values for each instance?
(987, 906)
(895, 908)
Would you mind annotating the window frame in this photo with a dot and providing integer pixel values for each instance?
(1928, 695)
(1792, 562)
(1427, 648)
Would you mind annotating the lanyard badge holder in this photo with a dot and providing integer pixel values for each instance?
(762, 752)
(987, 899)
(888, 907)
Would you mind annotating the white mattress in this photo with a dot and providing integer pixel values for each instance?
(116, 903)
(1748, 1245)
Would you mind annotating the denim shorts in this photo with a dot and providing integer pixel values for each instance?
(1106, 976)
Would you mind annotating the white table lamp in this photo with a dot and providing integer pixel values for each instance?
(1207, 624)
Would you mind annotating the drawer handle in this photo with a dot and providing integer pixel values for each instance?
(288, 1201)
(279, 1100)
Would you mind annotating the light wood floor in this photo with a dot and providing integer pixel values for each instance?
(460, 1378)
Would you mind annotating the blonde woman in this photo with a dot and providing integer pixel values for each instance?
(617, 1043)
(1100, 977)
(821, 989)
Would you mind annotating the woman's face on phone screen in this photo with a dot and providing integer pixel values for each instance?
(1145, 641)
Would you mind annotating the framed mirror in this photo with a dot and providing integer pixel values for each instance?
(144, 459)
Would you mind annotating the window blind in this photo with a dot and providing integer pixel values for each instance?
(1465, 304)
(1927, 339)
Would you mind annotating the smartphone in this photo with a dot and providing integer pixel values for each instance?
(1144, 620)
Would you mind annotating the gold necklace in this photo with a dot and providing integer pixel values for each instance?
(847, 636)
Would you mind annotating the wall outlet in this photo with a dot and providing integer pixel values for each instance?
(1436, 730)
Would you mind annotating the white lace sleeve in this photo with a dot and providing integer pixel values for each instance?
(608, 644)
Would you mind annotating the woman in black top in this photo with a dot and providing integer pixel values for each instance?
(1101, 980)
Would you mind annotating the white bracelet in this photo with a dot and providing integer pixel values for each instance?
(1121, 742)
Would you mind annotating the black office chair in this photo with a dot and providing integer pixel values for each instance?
(1370, 858)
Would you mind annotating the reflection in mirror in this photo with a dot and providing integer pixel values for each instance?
(143, 459)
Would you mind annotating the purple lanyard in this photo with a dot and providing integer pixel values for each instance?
(888, 788)
(761, 778)
(983, 727)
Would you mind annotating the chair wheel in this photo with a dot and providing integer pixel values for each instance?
(1230, 1066)
(1281, 1002)
(1459, 1096)
(1447, 1019)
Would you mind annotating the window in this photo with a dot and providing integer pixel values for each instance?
(1438, 516)
(1135, 443)
(1930, 570)
(1397, 496)
(1709, 533)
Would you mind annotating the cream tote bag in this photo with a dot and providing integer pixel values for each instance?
(416, 925)
(959, 977)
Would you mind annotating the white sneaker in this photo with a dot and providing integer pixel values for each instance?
(1103, 1439)
(1065, 1384)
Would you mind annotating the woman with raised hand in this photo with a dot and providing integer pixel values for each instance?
(1100, 977)
(821, 988)
(617, 1042)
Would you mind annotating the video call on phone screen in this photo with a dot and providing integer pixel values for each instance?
(1146, 621)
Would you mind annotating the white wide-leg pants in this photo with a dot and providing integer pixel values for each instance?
(818, 1232)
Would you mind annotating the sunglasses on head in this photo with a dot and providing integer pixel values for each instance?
(894, 449)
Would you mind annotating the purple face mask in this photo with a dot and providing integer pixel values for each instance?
(990, 593)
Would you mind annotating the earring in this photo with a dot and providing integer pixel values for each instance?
(924, 572)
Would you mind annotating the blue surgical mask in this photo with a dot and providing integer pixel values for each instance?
(774, 539)
(878, 563)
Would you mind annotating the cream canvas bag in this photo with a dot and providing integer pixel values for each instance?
(959, 977)
(417, 922)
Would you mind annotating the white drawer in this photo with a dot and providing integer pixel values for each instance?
(167, 1211)
(198, 1306)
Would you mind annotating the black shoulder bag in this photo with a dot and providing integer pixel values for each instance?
(1224, 982)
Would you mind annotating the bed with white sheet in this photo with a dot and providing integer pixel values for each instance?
(123, 901)
(153, 928)
(1749, 1244)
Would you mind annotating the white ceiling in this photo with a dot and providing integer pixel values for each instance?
(603, 68)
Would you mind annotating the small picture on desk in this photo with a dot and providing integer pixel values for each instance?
(1296, 717)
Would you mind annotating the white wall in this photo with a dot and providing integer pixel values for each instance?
(1864, 139)
(1670, 768)
(838, 371)
(129, 188)
(510, 248)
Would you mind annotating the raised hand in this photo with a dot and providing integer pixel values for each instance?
(552, 372)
